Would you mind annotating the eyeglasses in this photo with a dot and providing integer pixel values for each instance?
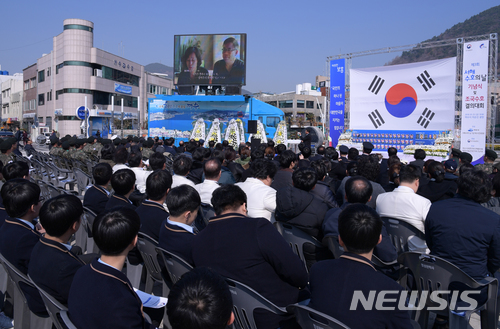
(228, 49)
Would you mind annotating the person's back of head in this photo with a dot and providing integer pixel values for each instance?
(219, 155)
(115, 230)
(320, 169)
(211, 144)
(19, 195)
(409, 174)
(419, 154)
(306, 152)
(157, 184)
(200, 300)
(269, 152)
(394, 171)
(474, 185)
(286, 159)
(358, 189)
(496, 185)
(359, 228)
(121, 156)
(263, 168)
(212, 169)
(60, 213)
(352, 168)
(134, 159)
(16, 169)
(198, 154)
(181, 199)
(245, 153)
(157, 161)
(280, 149)
(352, 154)
(320, 150)
(182, 165)
(107, 152)
(257, 154)
(225, 143)
(169, 142)
(228, 198)
(465, 167)
(229, 155)
(392, 151)
(102, 173)
(393, 159)
(331, 153)
(369, 167)
(219, 147)
(436, 171)
(123, 181)
(304, 179)
(190, 147)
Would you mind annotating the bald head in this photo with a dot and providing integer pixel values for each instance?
(358, 189)
(212, 169)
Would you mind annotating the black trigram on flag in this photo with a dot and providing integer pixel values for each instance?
(426, 81)
(376, 84)
(425, 118)
(376, 118)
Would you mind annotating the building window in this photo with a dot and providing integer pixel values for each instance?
(119, 76)
(78, 27)
(49, 96)
(48, 71)
(104, 98)
(67, 118)
(77, 63)
(40, 119)
(58, 67)
(310, 104)
(41, 76)
(272, 121)
(300, 104)
(319, 106)
(32, 82)
(26, 85)
(285, 104)
(41, 99)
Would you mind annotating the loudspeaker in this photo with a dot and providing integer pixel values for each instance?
(252, 126)
(255, 143)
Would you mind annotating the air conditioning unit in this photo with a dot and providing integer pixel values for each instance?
(98, 73)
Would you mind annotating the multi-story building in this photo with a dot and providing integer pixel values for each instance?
(29, 96)
(75, 71)
(303, 107)
(11, 90)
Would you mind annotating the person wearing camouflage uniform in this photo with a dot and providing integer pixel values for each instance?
(146, 150)
(489, 159)
(79, 154)
(6, 147)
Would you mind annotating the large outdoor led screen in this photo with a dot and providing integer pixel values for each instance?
(210, 59)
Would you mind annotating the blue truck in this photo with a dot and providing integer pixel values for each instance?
(177, 115)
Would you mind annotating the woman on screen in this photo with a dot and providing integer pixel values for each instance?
(192, 73)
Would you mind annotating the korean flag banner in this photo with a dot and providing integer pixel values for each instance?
(416, 96)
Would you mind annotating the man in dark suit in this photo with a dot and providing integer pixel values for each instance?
(123, 182)
(53, 265)
(251, 251)
(283, 177)
(383, 177)
(419, 159)
(306, 139)
(367, 149)
(343, 150)
(151, 211)
(18, 235)
(97, 196)
(177, 232)
(359, 190)
(334, 283)
(102, 296)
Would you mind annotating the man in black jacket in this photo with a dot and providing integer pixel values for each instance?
(249, 250)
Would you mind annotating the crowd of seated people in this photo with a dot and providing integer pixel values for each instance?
(340, 194)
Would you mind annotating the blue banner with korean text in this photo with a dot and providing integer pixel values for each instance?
(337, 99)
(123, 89)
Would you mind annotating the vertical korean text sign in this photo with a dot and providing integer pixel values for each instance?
(474, 98)
(337, 99)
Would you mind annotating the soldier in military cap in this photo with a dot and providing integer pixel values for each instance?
(66, 150)
(343, 153)
(489, 159)
(78, 154)
(53, 144)
(146, 150)
(367, 148)
(6, 147)
(455, 156)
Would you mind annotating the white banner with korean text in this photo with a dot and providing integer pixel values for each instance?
(416, 96)
(474, 98)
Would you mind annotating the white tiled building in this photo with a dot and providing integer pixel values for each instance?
(75, 69)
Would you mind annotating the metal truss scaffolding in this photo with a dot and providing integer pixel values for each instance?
(459, 42)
